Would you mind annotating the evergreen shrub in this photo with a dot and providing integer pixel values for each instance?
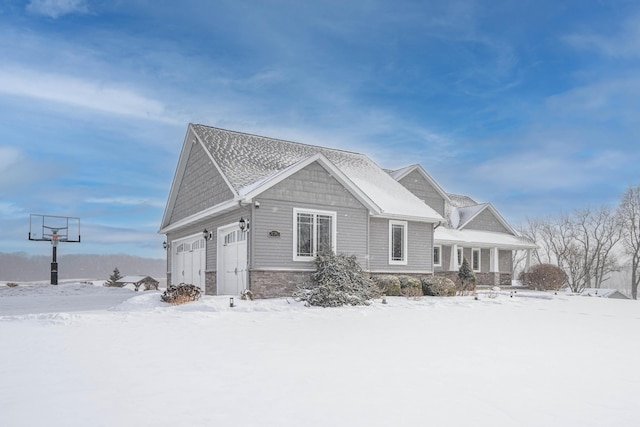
(410, 286)
(338, 280)
(388, 284)
(438, 286)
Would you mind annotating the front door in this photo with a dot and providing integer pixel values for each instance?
(232, 273)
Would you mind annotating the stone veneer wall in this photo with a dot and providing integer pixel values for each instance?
(482, 279)
(274, 284)
(210, 283)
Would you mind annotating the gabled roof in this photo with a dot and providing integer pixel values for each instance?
(401, 173)
(251, 164)
(469, 213)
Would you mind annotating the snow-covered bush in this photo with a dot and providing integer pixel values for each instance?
(388, 284)
(438, 286)
(12, 284)
(338, 280)
(410, 286)
(544, 277)
(179, 294)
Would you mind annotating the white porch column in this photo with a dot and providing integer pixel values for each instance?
(527, 263)
(495, 261)
(453, 265)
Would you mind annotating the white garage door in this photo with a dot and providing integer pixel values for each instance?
(189, 261)
(232, 271)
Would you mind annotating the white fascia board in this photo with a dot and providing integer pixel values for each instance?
(407, 170)
(228, 205)
(267, 183)
(496, 214)
(432, 220)
(224, 177)
(180, 168)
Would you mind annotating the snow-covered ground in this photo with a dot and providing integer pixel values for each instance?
(84, 355)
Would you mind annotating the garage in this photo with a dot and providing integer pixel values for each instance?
(189, 261)
(232, 268)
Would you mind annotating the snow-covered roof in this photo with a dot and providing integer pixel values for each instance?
(603, 293)
(459, 201)
(250, 163)
(477, 238)
(134, 279)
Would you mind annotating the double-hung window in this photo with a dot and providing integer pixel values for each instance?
(314, 231)
(475, 259)
(437, 254)
(398, 242)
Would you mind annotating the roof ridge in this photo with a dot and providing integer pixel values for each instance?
(319, 147)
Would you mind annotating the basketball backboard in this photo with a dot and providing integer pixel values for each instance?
(52, 227)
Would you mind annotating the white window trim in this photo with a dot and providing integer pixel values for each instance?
(439, 263)
(405, 245)
(315, 213)
(479, 252)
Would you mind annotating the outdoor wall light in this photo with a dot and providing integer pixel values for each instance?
(165, 245)
(244, 224)
(207, 235)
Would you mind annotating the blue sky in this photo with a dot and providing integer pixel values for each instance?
(531, 105)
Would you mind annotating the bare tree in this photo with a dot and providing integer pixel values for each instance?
(629, 216)
(581, 244)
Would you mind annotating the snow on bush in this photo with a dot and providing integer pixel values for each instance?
(544, 277)
(410, 286)
(338, 280)
(179, 294)
(388, 284)
(438, 286)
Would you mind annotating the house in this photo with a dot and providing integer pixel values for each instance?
(251, 212)
(475, 231)
(603, 293)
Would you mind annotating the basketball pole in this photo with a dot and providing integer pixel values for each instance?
(54, 261)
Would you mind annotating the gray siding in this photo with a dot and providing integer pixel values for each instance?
(505, 259)
(421, 188)
(486, 221)
(419, 248)
(201, 187)
(211, 225)
(311, 188)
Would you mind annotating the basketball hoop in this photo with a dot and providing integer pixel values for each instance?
(54, 229)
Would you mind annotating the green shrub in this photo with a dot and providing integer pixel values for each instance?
(338, 280)
(388, 284)
(410, 286)
(438, 286)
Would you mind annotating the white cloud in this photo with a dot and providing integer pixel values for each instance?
(77, 92)
(126, 201)
(8, 157)
(56, 8)
(624, 44)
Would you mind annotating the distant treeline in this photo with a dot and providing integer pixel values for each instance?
(21, 267)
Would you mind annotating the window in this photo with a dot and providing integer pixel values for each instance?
(460, 256)
(475, 259)
(314, 231)
(398, 242)
(437, 260)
